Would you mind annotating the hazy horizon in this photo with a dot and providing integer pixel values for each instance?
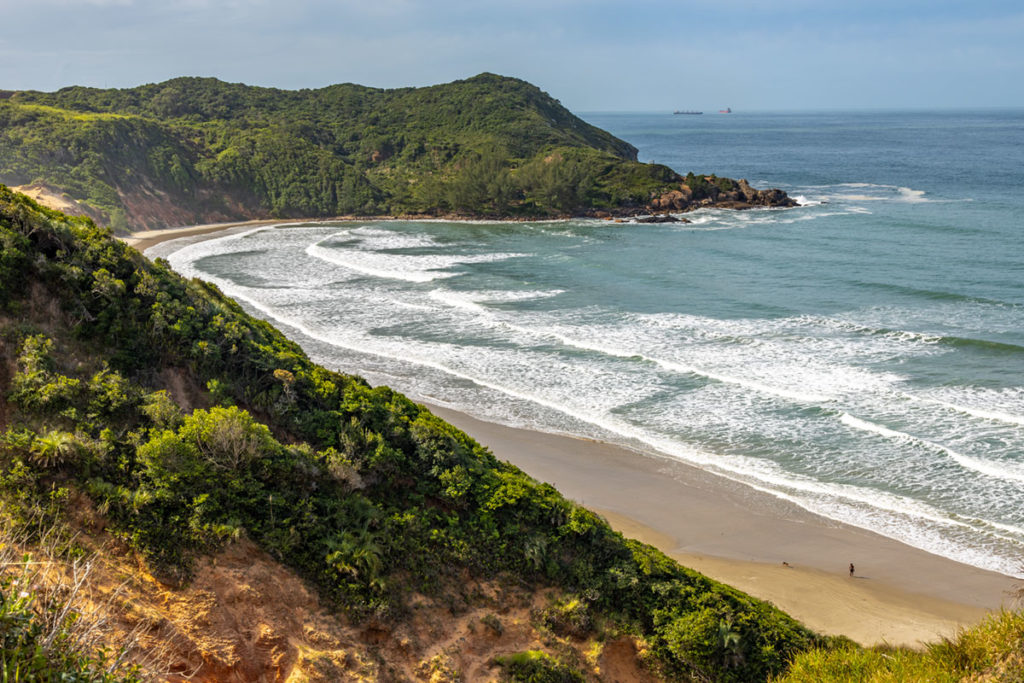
(595, 56)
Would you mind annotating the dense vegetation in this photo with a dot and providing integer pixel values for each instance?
(357, 488)
(198, 149)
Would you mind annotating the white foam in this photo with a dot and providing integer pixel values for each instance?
(411, 306)
(800, 358)
(801, 396)
(376, 239)
(373, 265)
(872, 192)
(983, 413)
(627, 394)
(911, 196)
(472, 301)
(456, 300)
(674, 366)
(508, 296)
(804, 201)
(1005, 471)
(866, 426)
(411, 268)
(860, 198)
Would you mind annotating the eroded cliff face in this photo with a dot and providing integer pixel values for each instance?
(148, 207)
(54, 198)
(245, 618)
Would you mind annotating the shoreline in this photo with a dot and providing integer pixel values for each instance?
(144, 239)
(899, 595)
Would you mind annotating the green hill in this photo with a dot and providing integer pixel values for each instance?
(194, 150)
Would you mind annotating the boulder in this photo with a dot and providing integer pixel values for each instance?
(666, 218)
(749, 193)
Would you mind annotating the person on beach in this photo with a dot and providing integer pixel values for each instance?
(851, 569)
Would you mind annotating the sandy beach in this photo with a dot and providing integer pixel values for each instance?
(751, 540)
(730, 532)
(145, 239)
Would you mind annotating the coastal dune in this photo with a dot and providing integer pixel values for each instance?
(756, 542)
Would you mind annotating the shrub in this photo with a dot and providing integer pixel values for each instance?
(534, 666)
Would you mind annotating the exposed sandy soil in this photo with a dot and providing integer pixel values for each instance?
(245, 618)
(53, 198)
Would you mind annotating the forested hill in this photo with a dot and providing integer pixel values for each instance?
(196, 150)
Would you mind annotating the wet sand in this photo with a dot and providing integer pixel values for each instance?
(758, 543)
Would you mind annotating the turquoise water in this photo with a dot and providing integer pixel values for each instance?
(861, 355)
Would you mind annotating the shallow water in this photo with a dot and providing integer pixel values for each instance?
(862, 355)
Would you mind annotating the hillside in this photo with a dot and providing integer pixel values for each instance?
(198, 150)
(152, 411)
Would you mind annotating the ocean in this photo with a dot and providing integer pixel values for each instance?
(861, 356)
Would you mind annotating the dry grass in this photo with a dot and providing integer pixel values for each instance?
(991, 651)
(48, 578)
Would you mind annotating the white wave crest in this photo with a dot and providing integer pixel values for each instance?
(866, 426)
(411, 268)
(1005, 471)
(911, 196)
(456, 300)
(675, 366)
(977, 411)
(472, 301)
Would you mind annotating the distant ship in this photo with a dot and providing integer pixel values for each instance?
(727, 110)
(691, 113)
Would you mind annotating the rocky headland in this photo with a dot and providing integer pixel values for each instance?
(192, 151)
(701, 192)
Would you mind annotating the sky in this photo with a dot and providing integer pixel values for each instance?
(593, 55)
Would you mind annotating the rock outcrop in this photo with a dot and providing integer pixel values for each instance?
(698, 192)
(663, 218)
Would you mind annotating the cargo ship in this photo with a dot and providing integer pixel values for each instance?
(690, 113)
(727, 110)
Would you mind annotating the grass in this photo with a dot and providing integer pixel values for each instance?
(991, 651)
(49, 629)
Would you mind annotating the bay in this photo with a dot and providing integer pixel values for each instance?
(861, 355)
